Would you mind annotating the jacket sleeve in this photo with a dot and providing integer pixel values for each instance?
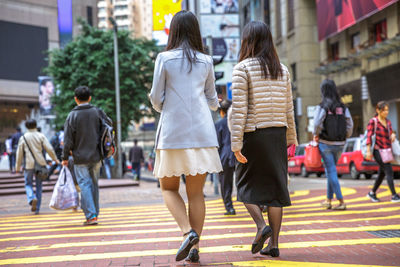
(49, 148)
(291, 135)
(209, 90)
(239, 106)
(349, 123)
(370, 131)
(157, 93)
(319, 117)
(68, 138)
(20, 154)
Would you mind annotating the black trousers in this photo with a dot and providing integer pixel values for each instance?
(384, 168)
(226, 182)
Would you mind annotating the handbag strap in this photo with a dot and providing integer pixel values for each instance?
(26, 142)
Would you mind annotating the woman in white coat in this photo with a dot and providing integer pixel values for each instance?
(186, 142)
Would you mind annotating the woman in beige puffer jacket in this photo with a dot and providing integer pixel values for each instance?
(262, 126)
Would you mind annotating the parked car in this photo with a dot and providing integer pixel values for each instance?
(296, 164)
(352, 161)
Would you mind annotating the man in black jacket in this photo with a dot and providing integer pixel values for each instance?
(227, 157)
(82, 137)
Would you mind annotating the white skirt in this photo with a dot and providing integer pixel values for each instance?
(189, 161)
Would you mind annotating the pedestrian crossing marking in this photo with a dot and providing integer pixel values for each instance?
(203, 237)
(272, 263)
(216, 249)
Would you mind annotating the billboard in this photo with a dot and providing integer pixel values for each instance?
(46, 91)
(219, 6)
(64, 21)
(335, 16)
(163, 11)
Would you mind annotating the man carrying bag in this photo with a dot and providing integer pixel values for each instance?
(30, 147)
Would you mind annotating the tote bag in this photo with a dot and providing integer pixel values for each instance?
(312, 156)
(64, 195)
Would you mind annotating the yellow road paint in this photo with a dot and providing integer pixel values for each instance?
(300, 193)
(345, 192)
(204, 237)
(273, 263)
(216, 249)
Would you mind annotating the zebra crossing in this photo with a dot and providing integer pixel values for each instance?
(148, 235)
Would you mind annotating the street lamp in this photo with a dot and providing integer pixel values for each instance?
(117, 97)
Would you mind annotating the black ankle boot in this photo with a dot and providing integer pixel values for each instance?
(193, 256)
(191, 240)
(273, 252)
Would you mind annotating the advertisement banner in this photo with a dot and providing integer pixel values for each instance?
(46, 91)
(220, 26)
(163, 11)
(219, 6)
(65, 21)
(335, 16)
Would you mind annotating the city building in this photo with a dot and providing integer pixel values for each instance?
(28, 29)
(131, 15)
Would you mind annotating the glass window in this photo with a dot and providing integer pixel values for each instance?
(300, 151)
(380, 31)
(278, 18)
(355, 41)
(290, 15)
(349, 146)
(334, 51)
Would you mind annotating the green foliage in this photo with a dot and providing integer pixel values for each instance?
(89, 60)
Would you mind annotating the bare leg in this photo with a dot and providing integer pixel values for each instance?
(174, 202)
(256, 214)
(197, 207)
(275, 221)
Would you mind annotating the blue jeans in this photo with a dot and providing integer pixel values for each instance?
(87, 176)
(29, 188)
(136, 169)
(330, 154)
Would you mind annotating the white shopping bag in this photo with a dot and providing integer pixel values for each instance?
(396, 151)
(64, 195)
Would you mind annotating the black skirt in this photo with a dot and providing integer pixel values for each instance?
(263, 179)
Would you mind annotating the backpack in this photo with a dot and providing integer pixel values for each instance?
(107, 136)
(335, 126)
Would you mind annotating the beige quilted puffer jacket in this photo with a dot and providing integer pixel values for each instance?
(260, 103)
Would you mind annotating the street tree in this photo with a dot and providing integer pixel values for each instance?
(89, 60)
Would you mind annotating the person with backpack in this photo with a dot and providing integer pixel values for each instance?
(82, 135)
(332, 125)
(381, 127)
(30, 150)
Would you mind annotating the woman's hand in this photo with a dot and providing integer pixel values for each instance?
(393, 138)
(242, 159)
(368, 156)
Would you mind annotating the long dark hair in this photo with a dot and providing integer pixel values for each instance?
(381, 105)
(257, 43)
(185, 33)
(330, 97)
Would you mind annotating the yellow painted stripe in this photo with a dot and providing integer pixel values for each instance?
(345, 192)
(216, 249)
(273, 263)
(204, 237)
(300, 193)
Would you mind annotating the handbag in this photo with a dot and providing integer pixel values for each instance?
(40, 171)
(312, 156)
(386, 155)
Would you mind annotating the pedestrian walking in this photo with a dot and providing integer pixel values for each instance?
(136, 158)
(332, 125)
(183, 92)
(14, 145)
(29, 150)
(381, 127)
(8, 144)
(81, 136)
(262, 126)
(56, 144)
(227, 157)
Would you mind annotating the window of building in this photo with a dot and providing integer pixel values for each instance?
(294, 72)
(334, 51)
(355, 42)
(102, 9)
(102, 19)
(121, 7)
(290, 15)
(278, 19)
(121, 17)
(380, 31)
(123, 28)
(89, 15)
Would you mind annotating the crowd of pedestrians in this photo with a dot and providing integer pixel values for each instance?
(250, 141)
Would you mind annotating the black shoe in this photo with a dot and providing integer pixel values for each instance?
(33, 204)
(257, 246)
(191, 240)
(193, 256)
(373, 197)
(395, 198)
(230, 212)
(273, 252)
